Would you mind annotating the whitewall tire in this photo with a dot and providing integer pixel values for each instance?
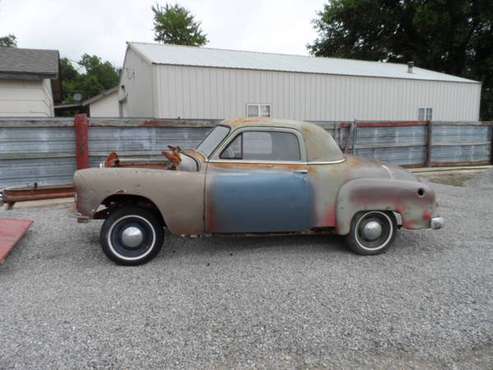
(372, 232)
(132, 236)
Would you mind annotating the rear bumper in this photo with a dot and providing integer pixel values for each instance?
(436, 223)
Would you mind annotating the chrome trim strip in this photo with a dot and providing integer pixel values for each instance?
(239, 161)
(327, 162)
(388, 171)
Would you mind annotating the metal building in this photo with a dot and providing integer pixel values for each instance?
(167, 81)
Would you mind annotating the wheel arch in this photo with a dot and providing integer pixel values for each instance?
(401, 198)
(117, 201)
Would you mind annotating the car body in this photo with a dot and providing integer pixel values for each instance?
(258, 176)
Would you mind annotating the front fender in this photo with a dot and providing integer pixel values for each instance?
(413, 200)
(179, 195)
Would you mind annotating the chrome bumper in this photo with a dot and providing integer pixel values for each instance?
(436, 223)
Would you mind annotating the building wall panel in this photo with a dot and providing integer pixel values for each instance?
(216, 93)
(137, 77)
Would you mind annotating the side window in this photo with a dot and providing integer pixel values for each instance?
(263, 146)
(233, 150)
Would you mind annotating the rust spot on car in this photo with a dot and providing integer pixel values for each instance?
(400, 209)
(330, 217)
(112, 160)
(246, 121)
(409, 224)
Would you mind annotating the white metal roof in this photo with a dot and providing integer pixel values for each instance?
(207, 57)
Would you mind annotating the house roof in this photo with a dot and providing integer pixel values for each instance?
(236, 59)
(30, 64)
(98, 97)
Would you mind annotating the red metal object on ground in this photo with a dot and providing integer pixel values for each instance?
(81, 124)
(11, 231)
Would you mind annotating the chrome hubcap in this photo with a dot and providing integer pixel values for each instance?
(132, 237)
(372, 230)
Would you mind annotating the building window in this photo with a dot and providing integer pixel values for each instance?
(258, 110)
(425, 114)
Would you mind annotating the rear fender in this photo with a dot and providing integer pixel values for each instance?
(414, 201)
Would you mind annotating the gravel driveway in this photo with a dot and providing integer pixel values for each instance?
(282, 302)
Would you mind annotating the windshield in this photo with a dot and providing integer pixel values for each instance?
(212, 140)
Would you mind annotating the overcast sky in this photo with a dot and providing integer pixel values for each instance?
(102, 27)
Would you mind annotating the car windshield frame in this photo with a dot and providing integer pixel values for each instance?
(213, 140)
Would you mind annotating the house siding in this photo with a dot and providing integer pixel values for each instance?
(107, 106)
(26, 98)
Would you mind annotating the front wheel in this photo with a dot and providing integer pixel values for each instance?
(372, 232)
(132, 236)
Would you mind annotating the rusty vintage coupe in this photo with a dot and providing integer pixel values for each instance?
(252, 176)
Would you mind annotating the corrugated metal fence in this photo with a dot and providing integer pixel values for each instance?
(42, 151)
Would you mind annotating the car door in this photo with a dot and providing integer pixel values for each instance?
(256, 182)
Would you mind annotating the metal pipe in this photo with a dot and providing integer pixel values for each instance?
(81, 124)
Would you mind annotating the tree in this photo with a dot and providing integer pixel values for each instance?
(173, 24)
(450, 36)
(103, 72)
(96, 76)
(9, 41)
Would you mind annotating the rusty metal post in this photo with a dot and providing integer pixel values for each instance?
(429, 143)
(350, 141)
(491, 146)
(81, 124)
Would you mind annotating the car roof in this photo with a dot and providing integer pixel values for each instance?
(319, 144)
(265, 121)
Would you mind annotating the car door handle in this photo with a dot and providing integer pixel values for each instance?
(301, 171)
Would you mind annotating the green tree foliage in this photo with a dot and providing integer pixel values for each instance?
(9, 41)
(173, 24)
(450, 36)
(95, 77)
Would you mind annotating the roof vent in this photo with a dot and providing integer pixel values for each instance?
(410, 66)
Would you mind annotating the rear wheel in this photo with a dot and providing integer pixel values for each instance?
(372, 232)
(132, 236)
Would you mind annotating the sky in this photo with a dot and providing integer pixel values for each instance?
(102, 27)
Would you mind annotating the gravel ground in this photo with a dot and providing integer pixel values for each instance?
(282, 302)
